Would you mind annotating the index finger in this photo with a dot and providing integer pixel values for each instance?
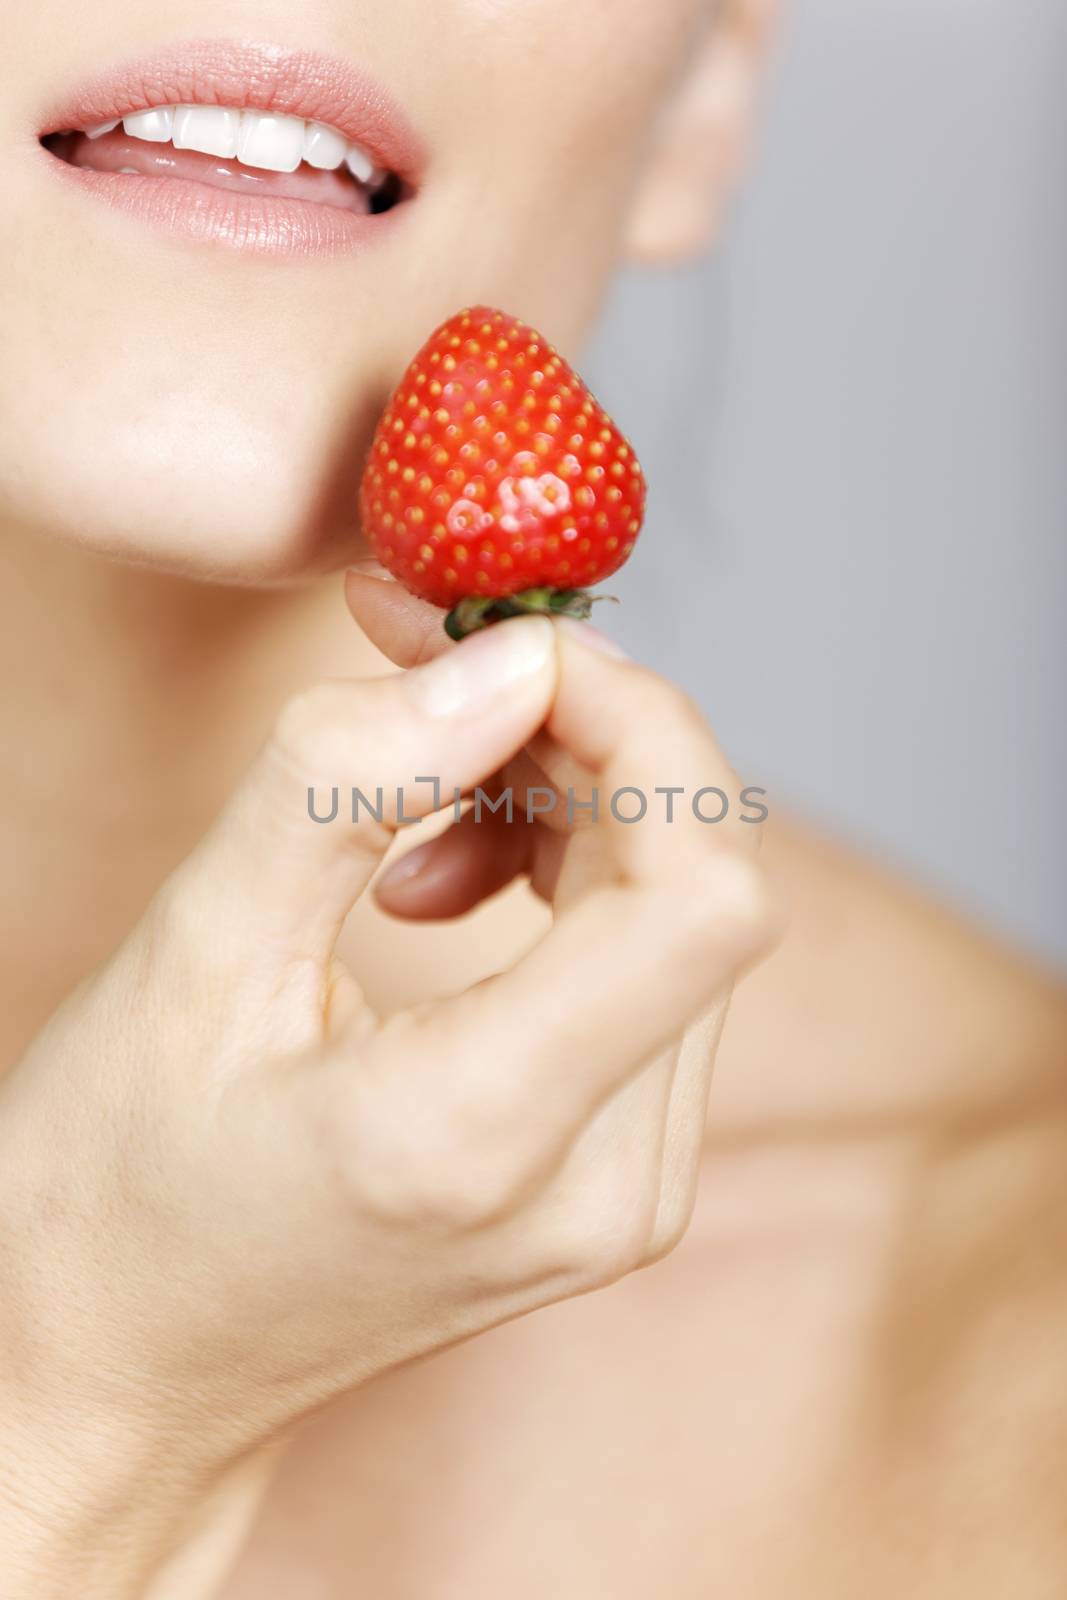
(528, 1056)
(407, 630)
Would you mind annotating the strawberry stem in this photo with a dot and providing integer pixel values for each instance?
(482, 611)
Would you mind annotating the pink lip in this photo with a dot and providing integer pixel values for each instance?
(261, 77)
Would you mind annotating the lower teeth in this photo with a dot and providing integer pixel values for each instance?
(386, 194)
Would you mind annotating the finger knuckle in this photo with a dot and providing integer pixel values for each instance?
(309, 734)
(421, 1179)
(672, 1225)
(673, 707)
(456, 1198)
(477, 1196)
(607, 1233)
(731, 902)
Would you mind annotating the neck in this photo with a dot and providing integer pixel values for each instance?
(135, 700)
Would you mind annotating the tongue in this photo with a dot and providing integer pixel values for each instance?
(117, 152)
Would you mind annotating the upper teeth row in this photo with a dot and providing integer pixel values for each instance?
(255, 138)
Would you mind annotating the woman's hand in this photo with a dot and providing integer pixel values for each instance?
(229, 1192)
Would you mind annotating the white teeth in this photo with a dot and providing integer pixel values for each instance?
(359, 163)
(211, 129)
(260, 139)
(276, 143)
(323, 147)
(156, 125)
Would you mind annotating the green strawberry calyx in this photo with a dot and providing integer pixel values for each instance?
(482, 611)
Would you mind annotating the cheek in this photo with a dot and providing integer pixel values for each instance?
(211, 421)
(545, 141)
(193, 483)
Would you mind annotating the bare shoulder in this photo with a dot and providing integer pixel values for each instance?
(892, 1088)
(883, 1005)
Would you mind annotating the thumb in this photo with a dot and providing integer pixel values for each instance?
(284, 863)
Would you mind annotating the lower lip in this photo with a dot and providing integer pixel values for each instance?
(259, 224)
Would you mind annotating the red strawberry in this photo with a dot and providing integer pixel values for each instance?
(496, 484)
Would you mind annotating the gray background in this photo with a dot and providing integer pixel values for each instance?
(855, 556)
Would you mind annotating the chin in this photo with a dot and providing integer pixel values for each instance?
(219, 495)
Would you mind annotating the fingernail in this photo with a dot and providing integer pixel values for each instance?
(369, 568)
(592, 638)
(409, 867)
(483, 667)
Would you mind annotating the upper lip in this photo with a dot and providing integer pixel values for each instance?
(261, 77)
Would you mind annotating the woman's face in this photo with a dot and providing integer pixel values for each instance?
(199, 394)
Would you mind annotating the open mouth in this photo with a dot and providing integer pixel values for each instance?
(241, 143)
(244, 152)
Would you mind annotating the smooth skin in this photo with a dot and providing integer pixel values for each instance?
(272, 1133)
(358, 1193)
